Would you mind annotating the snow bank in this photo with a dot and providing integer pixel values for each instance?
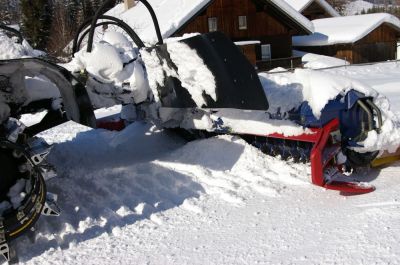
(340, 30)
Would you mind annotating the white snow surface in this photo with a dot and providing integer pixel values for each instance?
(301, 5)
(172, 14)
(10, 49)
(315, 87)
(144, 196)
(317, 61)
(384, 78)
(299, 18)
(356, 7)
(193, 73)
(348, 29)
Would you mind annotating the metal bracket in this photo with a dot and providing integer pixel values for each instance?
(4, 248)
(39, 150)
(50, 207)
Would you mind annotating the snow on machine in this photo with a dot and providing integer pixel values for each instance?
(200, 86)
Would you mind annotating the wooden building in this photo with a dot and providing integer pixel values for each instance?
(313, 9)
(357, 39)
(263, 29)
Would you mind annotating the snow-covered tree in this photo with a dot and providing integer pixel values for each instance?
(9, 11)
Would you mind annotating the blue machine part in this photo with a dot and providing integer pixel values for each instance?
(352, 117)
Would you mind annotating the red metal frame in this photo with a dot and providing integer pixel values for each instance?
(322, 156)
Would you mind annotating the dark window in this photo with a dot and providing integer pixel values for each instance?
(242, 22)
(265, 51)
(212, 24)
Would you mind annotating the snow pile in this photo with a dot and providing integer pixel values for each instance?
(211, 201)
(116, 71)
(384, 78)
(317, 88)
(356, 7)
(301, 5)
(340, 30)
(317, 61)
(11, 49)
(193, 73)
(119, 71)
(106, 61)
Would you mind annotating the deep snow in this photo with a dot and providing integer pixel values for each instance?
(144, 196)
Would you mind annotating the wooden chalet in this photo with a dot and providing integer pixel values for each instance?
(313, 9)
(357, 39)
(262, 29)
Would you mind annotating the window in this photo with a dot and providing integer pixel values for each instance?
(212, 24)
(265, 51)
(242, 22)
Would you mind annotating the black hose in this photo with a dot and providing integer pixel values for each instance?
(112, 20)
(100, 11)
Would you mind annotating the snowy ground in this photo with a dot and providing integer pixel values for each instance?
(144, 196)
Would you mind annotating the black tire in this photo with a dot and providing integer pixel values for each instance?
(9, 172)
(356, 159)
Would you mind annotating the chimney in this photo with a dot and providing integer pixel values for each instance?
(129, 3)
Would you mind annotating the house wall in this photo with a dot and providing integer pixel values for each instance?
(379, 45)
(261, 25)
(315, 11)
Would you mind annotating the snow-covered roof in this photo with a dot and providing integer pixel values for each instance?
(291, 12)
(342, 30)
(173, 14)
(301, 5)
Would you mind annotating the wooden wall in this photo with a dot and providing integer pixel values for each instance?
(315, 11)
(250, 51)
(379, 45)
(261, 25)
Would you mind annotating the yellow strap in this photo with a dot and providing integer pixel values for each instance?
(385, 160)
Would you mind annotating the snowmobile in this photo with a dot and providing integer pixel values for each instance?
(237, 97)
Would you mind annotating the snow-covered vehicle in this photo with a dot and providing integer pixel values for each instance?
(199, 86)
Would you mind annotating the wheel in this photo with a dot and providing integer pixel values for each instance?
(356, 159)
(9, 173)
